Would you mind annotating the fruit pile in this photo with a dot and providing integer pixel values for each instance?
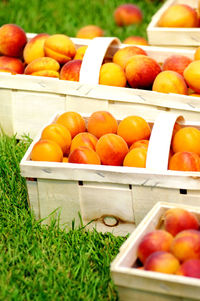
(102, 139)
(57, 56)
(174, 248)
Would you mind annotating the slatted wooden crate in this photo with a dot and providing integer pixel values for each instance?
(179, 37)
(114, 198)
(136, 284)
(27, 102)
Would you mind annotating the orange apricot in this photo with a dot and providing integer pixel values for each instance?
(187, 139)
(84, 139)
(112, 74)
(46, 150)
(136, 157)
(184, 161)
(140, 143)
(73, 121)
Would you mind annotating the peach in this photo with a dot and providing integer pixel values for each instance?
(84, 139)
(84, 155)
(163, 262)
(71, 70)
(35, 48)
(178, 219)
(122, 55)
(44, 66)
(186, 245)
(89, 32)
(101, 123)
(135, 40)
(112, 74)
(170, 82)
(136, 157)
(192, 75)
(59, 47)
(141, 71)
(176, 63)
(184, 161)
(156, 240)
(127, 14)
(80, 53)
(179, 15)
(12, 40)
(11, 63)
(111, 149)
(189, 268)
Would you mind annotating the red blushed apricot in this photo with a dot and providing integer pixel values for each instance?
(156, 240)
(141, 71)
(184, 161)
(89, 32)
(186, 245)
(190, 268)
(178, 219)
(140, 143)
(42, 64)
(84, 139)
(71, 70)
(101, 123)
(127, 14)
(84, 155)
(122, 55)
(176, 63)
(163, 262)
(11, 63)
(46, 150)
(111, 149)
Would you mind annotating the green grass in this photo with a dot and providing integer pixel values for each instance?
(39, 262)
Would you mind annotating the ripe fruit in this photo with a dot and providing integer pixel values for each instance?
(43, 66)
(71, 70)
(111, 149)
(133, 128)
(184, 161)
(89, 32)
(178, 219)
(192, 75)
(127, 14)
(12, 64)
(80, 53)
(140, 143)
(46, 150)
(59, 134)
(141, 71)
(101, 123)
(84, 139)
(84, 155)
(136, 157)
(176, 63)
(163, 262)
(135, 40)
(122, 55)
(187, 139)
(112, 74)
(156, 240)
(190, 268)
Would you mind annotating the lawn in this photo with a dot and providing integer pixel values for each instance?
(39, 262)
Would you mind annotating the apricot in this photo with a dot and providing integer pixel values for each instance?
(73, 121)
(179, 15)
(186, 139)
(112, 74)
(170, 82)
(122, 55)
(58, 133)
(192, 75)
(71, 70)
(46, 150)
(136, 40)
(184, 161)
(8, 70)
(156, 240)
(189, 268)
(127, 14)
(176, 63)
(44, 66)
(136, 157)
(163, 262)
(84, 155)
(140, 143)
(197, 54)
(111, 149)
(186, 245)
(101, 123)
(11, 63)
(133, 128)
(59, 47)
(80, 53)
(84, 139)
(90, 32)
(12, 40)
(35, 48)
(177, 219)
(141, 71)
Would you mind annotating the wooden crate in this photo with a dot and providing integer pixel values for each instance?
(179, 37)
(136, 284)
(114, 198)
(23, 98)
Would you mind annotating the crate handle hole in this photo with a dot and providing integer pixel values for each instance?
(110, 221)
(183, 191)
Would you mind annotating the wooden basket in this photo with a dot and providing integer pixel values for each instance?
(166, 36)
(27, 102)
(114, 198)
(136, 284)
